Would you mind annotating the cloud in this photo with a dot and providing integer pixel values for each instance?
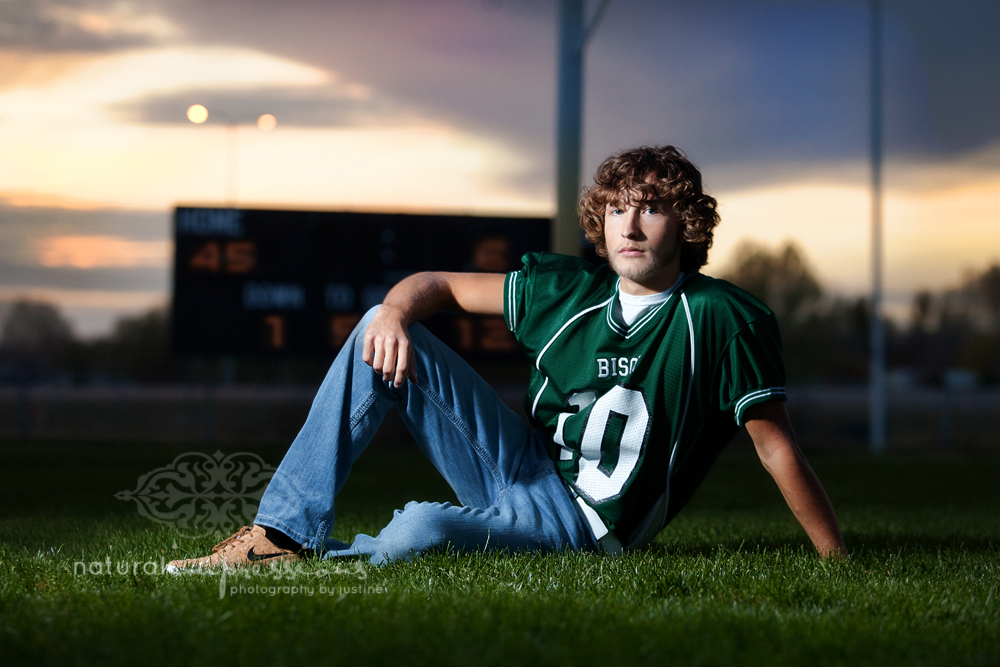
(80, 25)
(26, 199)
(305, 107)
(64, 136)
(23, 225)
(116, 279)
(84, 93)
(450, 105)
(89, 252)
(483, 68)
(102, 299)
(736, 84)
(52, 248)
(758, 90)
(128, 252)
(943, 225)
(766, 88)
(960, 58)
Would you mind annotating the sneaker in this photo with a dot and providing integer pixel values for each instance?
(248, 546)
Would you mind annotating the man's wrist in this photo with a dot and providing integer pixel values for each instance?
(835, 550)
(397, 312)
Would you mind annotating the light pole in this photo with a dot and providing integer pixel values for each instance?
(877, 398)
(198, 114)
(573, 38)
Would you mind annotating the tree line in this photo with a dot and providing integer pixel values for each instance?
(825, 336)
(37, 344)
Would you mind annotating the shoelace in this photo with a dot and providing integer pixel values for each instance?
(245, 530)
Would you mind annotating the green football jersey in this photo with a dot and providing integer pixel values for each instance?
(637, 415)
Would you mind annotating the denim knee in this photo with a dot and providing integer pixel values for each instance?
(430, 524)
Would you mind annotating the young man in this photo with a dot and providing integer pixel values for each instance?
(643, 370)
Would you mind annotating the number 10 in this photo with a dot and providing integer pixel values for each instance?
(627, 408)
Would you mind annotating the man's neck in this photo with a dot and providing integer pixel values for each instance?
(661, 281)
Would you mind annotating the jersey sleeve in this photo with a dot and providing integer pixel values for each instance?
(517, 292)
(752, 370)
(546, 292)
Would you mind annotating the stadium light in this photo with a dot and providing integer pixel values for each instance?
(266, 122)
(199, 113)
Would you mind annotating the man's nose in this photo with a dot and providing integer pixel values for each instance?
(630, 224)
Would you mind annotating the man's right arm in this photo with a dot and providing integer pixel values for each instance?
(387, 346)
(771, 430)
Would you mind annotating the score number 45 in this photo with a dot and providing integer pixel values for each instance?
(231, 257)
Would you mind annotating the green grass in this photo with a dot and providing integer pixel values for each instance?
(731, 581)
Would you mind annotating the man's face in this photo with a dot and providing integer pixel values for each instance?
(644, 244)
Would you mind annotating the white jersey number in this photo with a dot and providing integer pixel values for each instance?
(628, 408)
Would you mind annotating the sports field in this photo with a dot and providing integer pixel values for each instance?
(731, 581)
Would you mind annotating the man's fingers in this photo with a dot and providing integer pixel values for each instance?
(369, 347)
(378, 354)
(388, 351)
(411, 371)
(389, 348)
(403, 366)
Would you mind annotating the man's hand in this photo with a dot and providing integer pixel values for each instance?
(387, 345)
(388, 349)
(771, 430)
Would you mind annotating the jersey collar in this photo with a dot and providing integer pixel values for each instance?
(646, 318)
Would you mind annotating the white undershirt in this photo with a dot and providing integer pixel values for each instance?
(629, 308)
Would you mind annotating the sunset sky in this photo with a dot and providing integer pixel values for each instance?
(449, 106)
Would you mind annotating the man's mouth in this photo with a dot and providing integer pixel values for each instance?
(631, 252)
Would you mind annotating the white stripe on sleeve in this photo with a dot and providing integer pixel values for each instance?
(752, 397)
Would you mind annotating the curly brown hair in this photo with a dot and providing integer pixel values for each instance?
(647, 173)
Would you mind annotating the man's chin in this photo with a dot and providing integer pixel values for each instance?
(635, 271)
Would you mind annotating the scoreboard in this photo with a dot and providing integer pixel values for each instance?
(266, 282)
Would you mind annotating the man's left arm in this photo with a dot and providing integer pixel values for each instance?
(771, 430)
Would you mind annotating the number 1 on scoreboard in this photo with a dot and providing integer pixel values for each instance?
(274, 331)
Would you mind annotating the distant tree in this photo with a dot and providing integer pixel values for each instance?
(958, 327)
(144, 345)
(35, 337)
(782, 279)
(976, 302)
(981, 353)
(923, 310)
(32, 325)
(823, 338)
(137, 350)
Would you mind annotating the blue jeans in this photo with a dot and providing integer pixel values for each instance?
(511, 495)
